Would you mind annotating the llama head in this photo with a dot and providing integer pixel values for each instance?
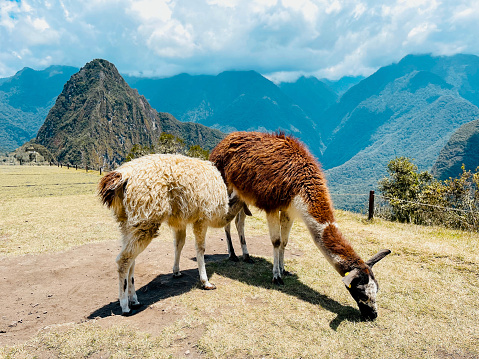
(363, 287)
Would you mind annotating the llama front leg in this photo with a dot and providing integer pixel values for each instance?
(239, 222)
(199, 229)
(180, 236)
(286, 223)
(275, 235)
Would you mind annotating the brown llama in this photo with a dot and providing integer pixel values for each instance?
(277, 174)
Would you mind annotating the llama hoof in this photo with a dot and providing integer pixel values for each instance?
(136, 306)
(129, 313)
(233, 258)
(278, 281)
(209, 286)
(177, 275)
(248, 259)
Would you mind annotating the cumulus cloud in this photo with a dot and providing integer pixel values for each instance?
(278, 38)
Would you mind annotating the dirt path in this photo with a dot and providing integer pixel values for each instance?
(80, 284)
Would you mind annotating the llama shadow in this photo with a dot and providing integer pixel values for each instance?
(161, 287)
(260, 274)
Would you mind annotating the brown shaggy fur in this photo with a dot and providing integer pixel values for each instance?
(269, 170)
(108, 186)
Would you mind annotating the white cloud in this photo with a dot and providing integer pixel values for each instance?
(420, 33)
(152, 9)
(283, 38)
(40, 24)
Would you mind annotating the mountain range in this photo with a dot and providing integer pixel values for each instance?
(25, 100)
(422, 107)
(97, 119)
(410, 109)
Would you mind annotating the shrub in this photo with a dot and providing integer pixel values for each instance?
(419, 198)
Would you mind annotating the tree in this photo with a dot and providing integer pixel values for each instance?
(419, 198)
(403, 186)
(198, 152)
(168, 143)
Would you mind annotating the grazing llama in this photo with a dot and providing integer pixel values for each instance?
(277, 174)
(153, 189)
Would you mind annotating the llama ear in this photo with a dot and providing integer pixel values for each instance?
(246, 210)
(377, 257)
(350, 276)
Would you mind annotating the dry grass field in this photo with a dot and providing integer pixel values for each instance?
(59, 286)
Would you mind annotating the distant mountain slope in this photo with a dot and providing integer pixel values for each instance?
(311, 94)
(343, 84)
(461, 149)
(460, 72)
(406, 109)
(25, 100)
(416, 110)
(232, 100)
(98, 118)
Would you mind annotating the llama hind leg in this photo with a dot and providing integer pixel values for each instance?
(199, 229)
(132, 297)
(275, 235)
(231, 251)
(133, 244)
(180, 236)
(286, 223)
(239, 222)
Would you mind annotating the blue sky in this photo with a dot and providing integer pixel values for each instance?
(281, 39)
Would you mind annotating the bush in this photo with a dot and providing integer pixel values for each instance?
(419, 198)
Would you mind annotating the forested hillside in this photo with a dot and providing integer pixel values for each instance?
(25, 100)
(461, 149)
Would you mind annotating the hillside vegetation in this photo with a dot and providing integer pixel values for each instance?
(428, 300)
(462, 149)
(25, 100)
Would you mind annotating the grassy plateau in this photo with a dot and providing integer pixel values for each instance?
(428, 300)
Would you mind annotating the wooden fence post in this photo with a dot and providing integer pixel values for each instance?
(371, 205)
(100, 171)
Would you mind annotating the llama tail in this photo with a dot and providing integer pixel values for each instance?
(109, 186)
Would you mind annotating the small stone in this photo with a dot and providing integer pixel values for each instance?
(187, 352)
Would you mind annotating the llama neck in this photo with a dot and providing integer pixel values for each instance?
(234, 207)
(328, 238)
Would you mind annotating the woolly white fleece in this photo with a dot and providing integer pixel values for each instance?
(173, 188)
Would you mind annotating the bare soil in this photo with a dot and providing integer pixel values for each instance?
(45, 291)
